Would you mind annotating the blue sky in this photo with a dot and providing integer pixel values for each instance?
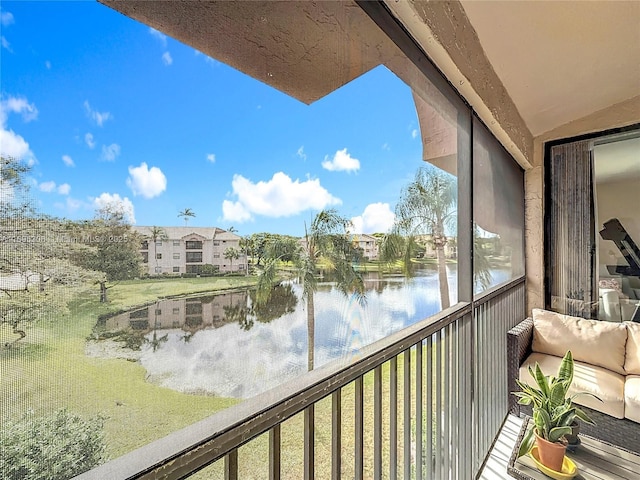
(108, 110)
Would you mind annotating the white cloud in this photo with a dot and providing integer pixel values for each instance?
(98, 117)
(71, 205)
(211, 157)
(5, 43)
(12, 144)
(6, 18)
(88, 139)
(341, 161)
(167, 59)
(145, 181)
(117, 204)
(47, 187)
(385, 146)
(414, 133)
(111, 152)
(50, 186)
(301, 153)
(47, 64)
(207, 58)
(278, 197)
(68, 161)
(158, 35)
(19, 105)
(376, 218)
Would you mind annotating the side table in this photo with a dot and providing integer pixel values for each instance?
(595, 459)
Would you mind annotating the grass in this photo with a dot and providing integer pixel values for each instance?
(135, 292)
(50, 370)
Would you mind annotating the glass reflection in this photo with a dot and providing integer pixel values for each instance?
(221, 345)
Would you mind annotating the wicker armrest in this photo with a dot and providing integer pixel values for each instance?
(518, 348)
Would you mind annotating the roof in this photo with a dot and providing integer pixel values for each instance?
(181, 232)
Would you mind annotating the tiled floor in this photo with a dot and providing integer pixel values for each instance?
(496, 466)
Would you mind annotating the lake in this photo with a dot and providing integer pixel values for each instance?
(220, 345)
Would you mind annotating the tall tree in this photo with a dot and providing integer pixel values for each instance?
(37, 276)
(325, 244)
(187, 213)
(231, 254)
(157, 234)
(427, 206)
(113, 247)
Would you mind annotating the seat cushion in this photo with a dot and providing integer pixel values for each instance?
(607, 385)
(632, 398)
(632, 362)
(590, 341)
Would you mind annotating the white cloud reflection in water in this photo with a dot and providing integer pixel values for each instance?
(231, 362)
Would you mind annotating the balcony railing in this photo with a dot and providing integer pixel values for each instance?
(436, 393)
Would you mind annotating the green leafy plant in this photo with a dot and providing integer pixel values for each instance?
(553, 411)
(57, 446)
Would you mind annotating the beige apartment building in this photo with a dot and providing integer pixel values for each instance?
(368, 244)
(193, 313)
(178, 250)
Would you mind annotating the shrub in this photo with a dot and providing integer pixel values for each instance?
(56, 446)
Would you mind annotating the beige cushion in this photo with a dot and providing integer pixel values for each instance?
(632, 398)
(632, 363)
(607, 385)
(591, 341)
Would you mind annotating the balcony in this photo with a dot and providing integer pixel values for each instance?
(428, 401)
(442, 379)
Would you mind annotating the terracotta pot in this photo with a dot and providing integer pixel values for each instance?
(551, 454)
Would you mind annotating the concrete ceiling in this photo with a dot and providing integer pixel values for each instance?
(560, 61)
(305, 49)
(527, 67)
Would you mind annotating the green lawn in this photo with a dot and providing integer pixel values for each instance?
(50, 370)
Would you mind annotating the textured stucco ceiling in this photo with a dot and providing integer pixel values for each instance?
(305, 49)
(527, 67)
(561, 61)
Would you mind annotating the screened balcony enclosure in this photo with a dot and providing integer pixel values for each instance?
(424, 397)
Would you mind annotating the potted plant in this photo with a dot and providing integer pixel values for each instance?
(553, 412)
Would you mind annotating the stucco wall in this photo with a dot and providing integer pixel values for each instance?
(619, 115)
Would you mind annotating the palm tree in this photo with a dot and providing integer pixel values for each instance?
(325, 244)
(427, 206)
(157, 233)
(186, 214)
(231, 254)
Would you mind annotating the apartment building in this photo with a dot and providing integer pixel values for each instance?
(368, 244)
(192, 313)
(178, 250)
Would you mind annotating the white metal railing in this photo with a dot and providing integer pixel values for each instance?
(436, 393)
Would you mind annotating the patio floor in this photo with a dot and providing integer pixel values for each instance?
(496, 466)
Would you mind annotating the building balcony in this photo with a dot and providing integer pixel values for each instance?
(426, 402)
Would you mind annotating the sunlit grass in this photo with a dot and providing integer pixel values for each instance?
(50, 370)
(135, 292)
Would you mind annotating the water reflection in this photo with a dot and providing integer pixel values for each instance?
(222, 345)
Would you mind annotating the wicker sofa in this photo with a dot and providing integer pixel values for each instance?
(607, 363)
